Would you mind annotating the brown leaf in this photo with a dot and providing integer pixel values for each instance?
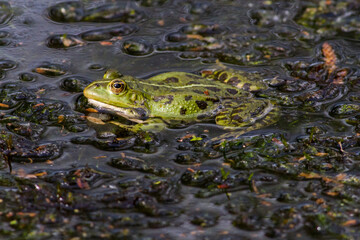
(333, 194)
(93, 110)
(77, 172)
(277, 141)
(40, 91)
(3, 105)
(38, 105)
(26, 214)
(106, 43)
(49, 162)
(61, 118)
(253, 187)
(43, 70)
(194, 36)
(185, 137)
(82, 184)
(40, 174)
(300, 158)
(311, 175)
(264, 195)
(95, 120)
(267, 56)
(320, 201)
(265, 203)
(329, 57)
(350, 223)
(340, 75)
(341, 176)
(161, 22)
(126, 46)
(321, 154)
(327, 179)
(223, 186)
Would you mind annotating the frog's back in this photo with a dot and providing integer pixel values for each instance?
(185, 96)
(190, 84)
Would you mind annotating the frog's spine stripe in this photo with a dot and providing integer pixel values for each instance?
(179, 87)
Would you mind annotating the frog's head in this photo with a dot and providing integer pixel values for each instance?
(119, 95)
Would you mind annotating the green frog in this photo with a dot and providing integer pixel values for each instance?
(177, 98)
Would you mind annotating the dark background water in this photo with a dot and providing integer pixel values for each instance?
(296, 179)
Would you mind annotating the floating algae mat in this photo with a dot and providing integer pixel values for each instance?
(278, 161)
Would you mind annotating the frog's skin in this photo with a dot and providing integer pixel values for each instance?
(179, 97)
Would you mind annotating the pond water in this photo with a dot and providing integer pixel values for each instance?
(67, 173)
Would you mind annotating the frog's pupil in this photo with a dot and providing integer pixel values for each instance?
(117, 85)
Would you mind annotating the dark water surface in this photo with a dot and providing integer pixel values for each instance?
(72, 179)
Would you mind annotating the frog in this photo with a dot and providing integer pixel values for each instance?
(177, 98)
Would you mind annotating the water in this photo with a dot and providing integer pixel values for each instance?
(295, 179)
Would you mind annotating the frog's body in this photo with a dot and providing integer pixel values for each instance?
(179, 97)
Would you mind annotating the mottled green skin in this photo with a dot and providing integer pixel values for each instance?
(179, 97)
(239, 79)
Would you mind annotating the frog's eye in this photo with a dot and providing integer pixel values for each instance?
(117, 86)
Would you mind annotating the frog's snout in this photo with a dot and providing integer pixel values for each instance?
(90, 91)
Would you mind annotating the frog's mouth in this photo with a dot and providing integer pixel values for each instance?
(133, 114)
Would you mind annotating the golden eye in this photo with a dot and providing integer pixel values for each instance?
(117, 86)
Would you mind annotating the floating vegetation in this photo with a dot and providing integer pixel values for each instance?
(68, 171)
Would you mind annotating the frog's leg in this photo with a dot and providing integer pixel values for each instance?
(240, 79)
(152, 125)
(245, 117)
